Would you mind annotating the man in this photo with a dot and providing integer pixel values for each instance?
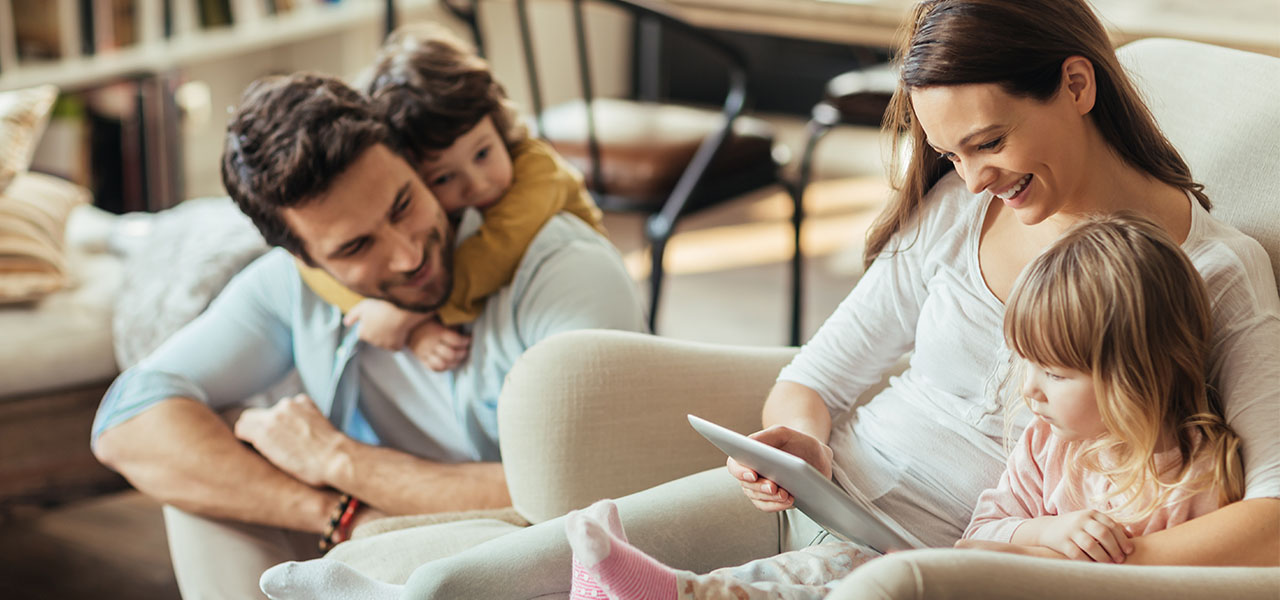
(310, 163)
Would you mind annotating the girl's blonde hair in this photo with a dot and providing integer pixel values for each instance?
(1116, 298)
(950, 42)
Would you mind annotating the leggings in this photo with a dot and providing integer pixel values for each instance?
(698, 523)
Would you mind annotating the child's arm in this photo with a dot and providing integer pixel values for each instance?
(487, 261)
(438, 346)
(1019, 495)
(1080, 535)
(383, 324)
(1015, 516)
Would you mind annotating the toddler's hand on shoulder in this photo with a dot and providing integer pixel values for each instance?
(382, 324)
(439, 347)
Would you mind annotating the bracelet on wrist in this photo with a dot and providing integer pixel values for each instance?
(338, 529)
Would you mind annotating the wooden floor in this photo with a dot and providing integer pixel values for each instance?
(728, 285)
(107, 548)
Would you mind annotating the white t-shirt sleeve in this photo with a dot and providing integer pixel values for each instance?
(1245, 359)
(581, 285)
(876, 324)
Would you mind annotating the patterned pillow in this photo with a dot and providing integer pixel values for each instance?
(33, 219)
(23, 115)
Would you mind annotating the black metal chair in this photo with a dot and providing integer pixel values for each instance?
(858, 97)
(660, 159)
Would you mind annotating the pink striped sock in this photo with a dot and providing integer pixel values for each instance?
(606, 566)
(629, 574)
(585, 586)
(591, 547)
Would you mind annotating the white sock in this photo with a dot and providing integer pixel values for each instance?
(323, 578)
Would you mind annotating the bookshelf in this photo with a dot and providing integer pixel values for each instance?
(152, 51)
(167, 152)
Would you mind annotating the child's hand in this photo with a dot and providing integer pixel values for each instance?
(440, 347)
(383, 324)
(1085, 535)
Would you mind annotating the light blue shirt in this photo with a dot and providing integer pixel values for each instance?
(267, 322)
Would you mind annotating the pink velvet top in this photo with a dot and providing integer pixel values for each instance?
(1034, 484)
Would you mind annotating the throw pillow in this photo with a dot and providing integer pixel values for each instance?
(23, 115)
(33, 218)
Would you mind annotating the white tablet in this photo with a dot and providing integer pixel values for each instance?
(815, 495)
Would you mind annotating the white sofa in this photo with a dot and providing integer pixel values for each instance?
(587, 415)
(56, 362)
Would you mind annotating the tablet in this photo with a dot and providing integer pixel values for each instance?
(816, 496)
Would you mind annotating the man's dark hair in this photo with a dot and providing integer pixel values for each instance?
(291, 137)
(430, 88)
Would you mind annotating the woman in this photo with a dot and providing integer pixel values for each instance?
(1028, 103)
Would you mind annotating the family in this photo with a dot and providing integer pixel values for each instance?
(1093, 363)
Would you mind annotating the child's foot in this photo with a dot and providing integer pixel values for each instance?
(323, 578)
(621, 571)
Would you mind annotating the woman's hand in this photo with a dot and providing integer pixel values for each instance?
(765, 494)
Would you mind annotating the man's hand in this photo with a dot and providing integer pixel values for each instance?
(765, 494)
(294, 436)
(1081, 535)
(439, 347)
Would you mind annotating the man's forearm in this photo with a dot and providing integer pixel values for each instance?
(401, 484)
(181, 453)
(1245, 533)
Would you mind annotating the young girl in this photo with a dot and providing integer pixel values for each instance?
(453, 122)
(1111, 329)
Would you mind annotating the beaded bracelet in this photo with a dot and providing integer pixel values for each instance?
(339, 527)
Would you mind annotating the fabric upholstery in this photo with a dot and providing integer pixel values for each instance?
(645, 147)
(959, 574)
(567, 454)
(64, 341)
(175, 262)
(1221, 109)
(33, 218)
(23, 115)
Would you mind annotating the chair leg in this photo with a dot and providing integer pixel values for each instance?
(797, 265)
(658, 248)
(817, 128)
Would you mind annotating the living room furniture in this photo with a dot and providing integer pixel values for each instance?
(56, 362)
(662, 160)
(588, 415)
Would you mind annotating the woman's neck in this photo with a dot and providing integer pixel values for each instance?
(1114, 185)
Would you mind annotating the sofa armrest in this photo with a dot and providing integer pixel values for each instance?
(945, 574)
(586, 415)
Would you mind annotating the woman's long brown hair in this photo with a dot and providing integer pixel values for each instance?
(1020, 45)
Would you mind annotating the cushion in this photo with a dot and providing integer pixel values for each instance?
(175, 262)
(23, 115)
(63, 341)
(645, 147)
(33, 218)
(1218, 107)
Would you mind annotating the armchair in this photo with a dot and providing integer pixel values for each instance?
(579, 402)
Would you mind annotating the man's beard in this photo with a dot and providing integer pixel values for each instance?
(445, 279)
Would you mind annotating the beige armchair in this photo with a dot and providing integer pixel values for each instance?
(587, 415)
